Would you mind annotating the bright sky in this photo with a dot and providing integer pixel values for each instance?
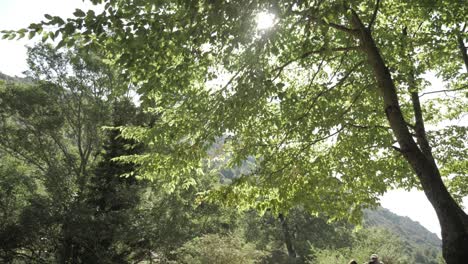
(15, 14)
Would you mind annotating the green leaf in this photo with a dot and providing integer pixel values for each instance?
(61, 44)
(79, 13)
(31, 34)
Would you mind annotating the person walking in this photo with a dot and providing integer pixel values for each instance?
(374, 259)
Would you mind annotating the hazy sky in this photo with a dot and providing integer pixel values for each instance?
(15, 14)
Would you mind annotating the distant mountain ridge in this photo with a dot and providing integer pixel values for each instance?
(8, 78)
(403, 227)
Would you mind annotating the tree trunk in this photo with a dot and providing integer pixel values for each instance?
(287, 237)
(462, 47)
(453, 221)
(66, 249)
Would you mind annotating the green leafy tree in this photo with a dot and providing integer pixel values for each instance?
(169, 220)
(17, 188)
(327, 101)
(305, 232)
(52, 124)
(105, 228)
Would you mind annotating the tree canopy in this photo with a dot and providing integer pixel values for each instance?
(330, 101)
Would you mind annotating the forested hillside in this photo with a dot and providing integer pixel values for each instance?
(5, 77)
(424, 245)
(402, 226)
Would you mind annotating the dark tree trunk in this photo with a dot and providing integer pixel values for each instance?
(66, 251)
(287, 237)
(462, 47)
(453, 221)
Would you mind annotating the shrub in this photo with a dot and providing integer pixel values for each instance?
(217, 249)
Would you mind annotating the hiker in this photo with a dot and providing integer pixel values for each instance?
(374, 259)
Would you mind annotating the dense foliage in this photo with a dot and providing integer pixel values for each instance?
(330, 105)
(111, 216)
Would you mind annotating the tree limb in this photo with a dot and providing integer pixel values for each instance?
(374, 15)
(445, 91)
(319, 51)
(367, 127)
(419, 128)
(342, 28)
(334, 25)
(15, 153)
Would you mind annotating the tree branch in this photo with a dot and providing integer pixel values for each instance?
(418, 128)
(341, 28)
(374, 15)
(445, 91)
(319, 51)
(367, 127)
(15, 153)
(334, 25)
(324, 91)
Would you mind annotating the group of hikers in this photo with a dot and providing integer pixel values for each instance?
(374, 259)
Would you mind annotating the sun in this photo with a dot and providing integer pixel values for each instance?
(265, 20)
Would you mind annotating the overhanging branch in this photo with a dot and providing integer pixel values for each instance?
(374, 15)
(368, 127)
(319, 51)
(445, 91)
(334, 25)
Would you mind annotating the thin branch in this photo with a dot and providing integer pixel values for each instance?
(67, 155)
(22, 156)
(367, 127)
(324, 91)
(306, 146)
(419, 129)
(231, 80)
(417, 30)
(374, 15)
(445, 91)
(334, 25)
(319, 51)
(342, 28)
(314, 100)
(355, 99)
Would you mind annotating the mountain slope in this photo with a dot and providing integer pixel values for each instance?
(8, 78)
(424, 243)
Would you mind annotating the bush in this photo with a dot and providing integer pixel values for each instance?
(217, 249)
